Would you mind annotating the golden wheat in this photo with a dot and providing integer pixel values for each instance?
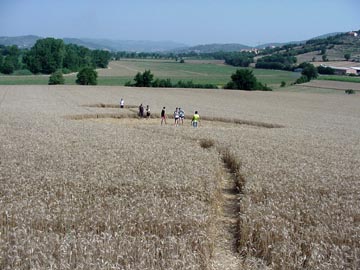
(131, 194)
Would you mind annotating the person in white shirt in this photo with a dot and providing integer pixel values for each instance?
(147, 112)
(176, 117)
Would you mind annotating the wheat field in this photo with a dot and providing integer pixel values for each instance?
(268, 180)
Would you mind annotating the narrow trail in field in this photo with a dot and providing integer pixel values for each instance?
(3, 97)
(126, 67)
(226, 255)
(195, 73)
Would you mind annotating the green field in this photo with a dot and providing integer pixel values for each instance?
(339, 78)
(31, 79)
(122, 71)
(198, 72)
(25, 79)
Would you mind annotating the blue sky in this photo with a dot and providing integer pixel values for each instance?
(193, 22)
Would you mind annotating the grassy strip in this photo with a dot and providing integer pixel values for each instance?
(32, 80)
(339, 78)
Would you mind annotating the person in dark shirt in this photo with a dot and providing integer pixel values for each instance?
(163, 116)
(141, 110)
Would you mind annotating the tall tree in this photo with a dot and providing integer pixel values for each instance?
(87, 76)
(310, 71)
(71, 58)
(1, 62)
(100, 58)
(45, 56)
(8, 66)
(144, 79)
(242, 79)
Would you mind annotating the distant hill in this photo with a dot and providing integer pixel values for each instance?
(87, 44)
(329, 47)
(151, 46)
(279, 44)
(210, 48)
(328, 35)
(24, 42)
(135, 45)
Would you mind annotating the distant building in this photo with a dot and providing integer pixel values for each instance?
(354, 34)
(254, 50)
(357, 70)
(345, 70)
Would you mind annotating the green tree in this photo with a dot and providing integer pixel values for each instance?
(325, 70)
(87, 76)
(84, 56)
(347, 56)
(72, 57)
(13, 53)
(144, 79)
(324, 58)
(45, 56)
(302, 79)
(242, 79)
(162, 83)
(309, 71)
(56, 78)
(1, 62)
(101, 58)
(8, 65)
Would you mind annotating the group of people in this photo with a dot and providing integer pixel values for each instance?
(179, 114)
(141, 111)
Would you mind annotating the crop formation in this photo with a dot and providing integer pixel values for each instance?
(118, 192)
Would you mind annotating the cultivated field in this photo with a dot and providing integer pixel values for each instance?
(329, 84)
(199, 71)
(270, 180)
(213, 72)
(336, 54)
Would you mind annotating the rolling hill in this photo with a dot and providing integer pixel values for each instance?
(23, 42)
(211, 48)
(342, 42)
(26, 42)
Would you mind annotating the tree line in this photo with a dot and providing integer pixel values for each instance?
(49, 55)
(242, 79)
(239, 59)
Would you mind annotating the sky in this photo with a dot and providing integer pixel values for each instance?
(192, 22)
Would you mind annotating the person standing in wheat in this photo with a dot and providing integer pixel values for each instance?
(195, 120)
(141, 111)
(163, 116)
(176, 117)
(147, 112)
(181, 115)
